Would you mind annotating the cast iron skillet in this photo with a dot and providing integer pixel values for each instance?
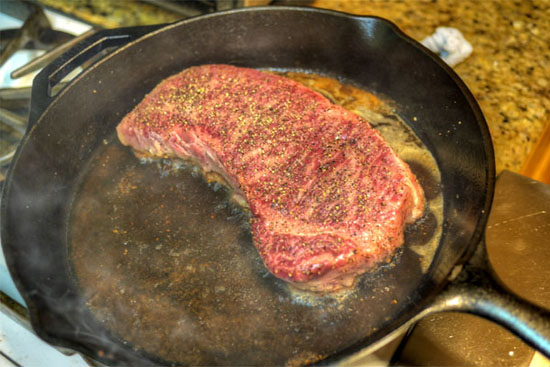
(65, 131)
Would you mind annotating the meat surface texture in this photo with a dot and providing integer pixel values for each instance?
(329, 197)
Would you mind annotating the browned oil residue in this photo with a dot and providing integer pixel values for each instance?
(167, 262)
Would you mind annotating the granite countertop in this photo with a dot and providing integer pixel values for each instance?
(508, 71)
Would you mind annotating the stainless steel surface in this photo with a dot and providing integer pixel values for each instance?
(45, 59)
(518, 237)
(518, 247)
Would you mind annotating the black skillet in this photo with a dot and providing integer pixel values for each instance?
(267, 324)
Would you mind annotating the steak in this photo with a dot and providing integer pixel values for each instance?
(329, 197)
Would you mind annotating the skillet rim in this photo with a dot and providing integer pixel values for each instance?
(481, 122)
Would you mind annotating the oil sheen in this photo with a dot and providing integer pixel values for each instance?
(165, 259)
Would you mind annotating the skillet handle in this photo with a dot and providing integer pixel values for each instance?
(101, 41)
(475, 291)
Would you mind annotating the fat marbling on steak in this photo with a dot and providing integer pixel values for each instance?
(329, 197)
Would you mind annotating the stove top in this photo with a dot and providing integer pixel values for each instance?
(19, 345)
(517, 239)
(436, 340)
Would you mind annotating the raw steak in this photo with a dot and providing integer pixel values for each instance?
(329, 197)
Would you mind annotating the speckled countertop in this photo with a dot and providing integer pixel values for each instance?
(508, 71)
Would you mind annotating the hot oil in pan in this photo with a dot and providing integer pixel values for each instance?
(168, 263)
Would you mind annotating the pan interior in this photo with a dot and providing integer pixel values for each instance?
(167, 262)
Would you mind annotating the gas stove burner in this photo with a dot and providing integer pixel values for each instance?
(36, 33)
(20, 45)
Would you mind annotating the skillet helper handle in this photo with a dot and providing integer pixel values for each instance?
(52, 74)
(476, 291)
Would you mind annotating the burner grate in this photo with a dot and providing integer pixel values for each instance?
(28, 44)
